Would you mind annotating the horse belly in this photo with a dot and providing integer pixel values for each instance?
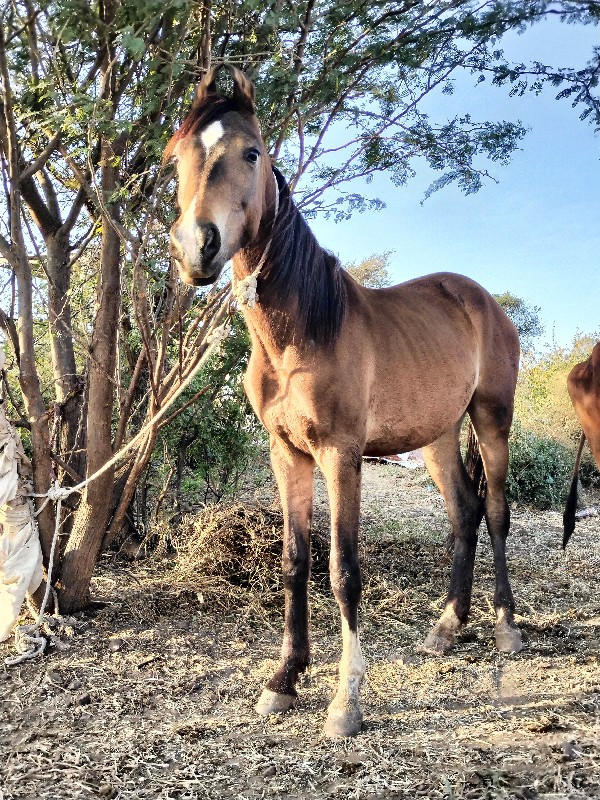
(404, 416)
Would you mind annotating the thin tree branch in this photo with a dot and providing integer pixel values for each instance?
(40, 161)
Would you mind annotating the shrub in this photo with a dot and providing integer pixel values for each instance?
(540, 469)
(201, 456)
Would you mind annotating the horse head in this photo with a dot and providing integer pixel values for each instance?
(225, 183)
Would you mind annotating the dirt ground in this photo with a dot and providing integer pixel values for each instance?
(151, 695)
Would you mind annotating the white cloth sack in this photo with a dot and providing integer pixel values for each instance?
(20, 551)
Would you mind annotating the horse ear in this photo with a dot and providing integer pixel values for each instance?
(208, 85)
(243, 89)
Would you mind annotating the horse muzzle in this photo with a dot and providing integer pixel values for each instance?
(196, 253)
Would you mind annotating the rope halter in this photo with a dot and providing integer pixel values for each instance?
(245, 290)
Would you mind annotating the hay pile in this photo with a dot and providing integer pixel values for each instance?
(231, 556)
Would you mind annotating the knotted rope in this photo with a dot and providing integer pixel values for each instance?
(29, 642)
(245, 290)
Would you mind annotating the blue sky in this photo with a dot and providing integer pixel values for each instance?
(536, 233)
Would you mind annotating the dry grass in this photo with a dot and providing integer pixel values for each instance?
(152, 697)
(231, 556)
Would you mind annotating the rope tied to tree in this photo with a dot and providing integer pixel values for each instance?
(29, 641)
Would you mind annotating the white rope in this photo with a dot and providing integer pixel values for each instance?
(245, 290)
(29, 642)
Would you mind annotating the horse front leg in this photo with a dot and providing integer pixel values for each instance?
(294, 474)
(342, 470)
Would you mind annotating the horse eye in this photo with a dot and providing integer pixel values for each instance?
(252, 155)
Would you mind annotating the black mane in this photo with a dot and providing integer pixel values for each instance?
(300, 271)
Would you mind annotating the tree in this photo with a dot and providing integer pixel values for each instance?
(90, 93)
(81, 164)
(525, 317)
(372, 271)
(367, 67)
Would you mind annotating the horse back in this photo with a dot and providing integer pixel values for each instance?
(440, 321)
(426, 347)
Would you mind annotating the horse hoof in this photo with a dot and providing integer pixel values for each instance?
(343, 722)
(438, 642)
(273, 703)
(508, 638)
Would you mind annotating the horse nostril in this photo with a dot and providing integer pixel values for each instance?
(212, 241)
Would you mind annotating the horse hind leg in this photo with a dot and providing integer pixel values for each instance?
(492, 425)
(464, 508)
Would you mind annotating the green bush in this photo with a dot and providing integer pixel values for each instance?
(539, 470)
(201, 456)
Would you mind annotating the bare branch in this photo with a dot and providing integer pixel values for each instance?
(10, 328)
(40, 161)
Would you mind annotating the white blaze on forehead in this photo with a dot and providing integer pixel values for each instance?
(211, 135)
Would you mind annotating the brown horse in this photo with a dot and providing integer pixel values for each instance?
(583, 384)
(338, 371)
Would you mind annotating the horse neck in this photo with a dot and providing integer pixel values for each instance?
(301, 294)
(274, 328)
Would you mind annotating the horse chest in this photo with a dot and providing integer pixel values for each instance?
(285, 401)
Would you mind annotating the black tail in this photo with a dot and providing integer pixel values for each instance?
(571, 505)
(475, 470)
(474, 465)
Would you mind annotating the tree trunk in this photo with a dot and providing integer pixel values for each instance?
(34, 405)
(182, 450)
(18, 258)
(141, 462)
(93, 514)
(68, 385)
